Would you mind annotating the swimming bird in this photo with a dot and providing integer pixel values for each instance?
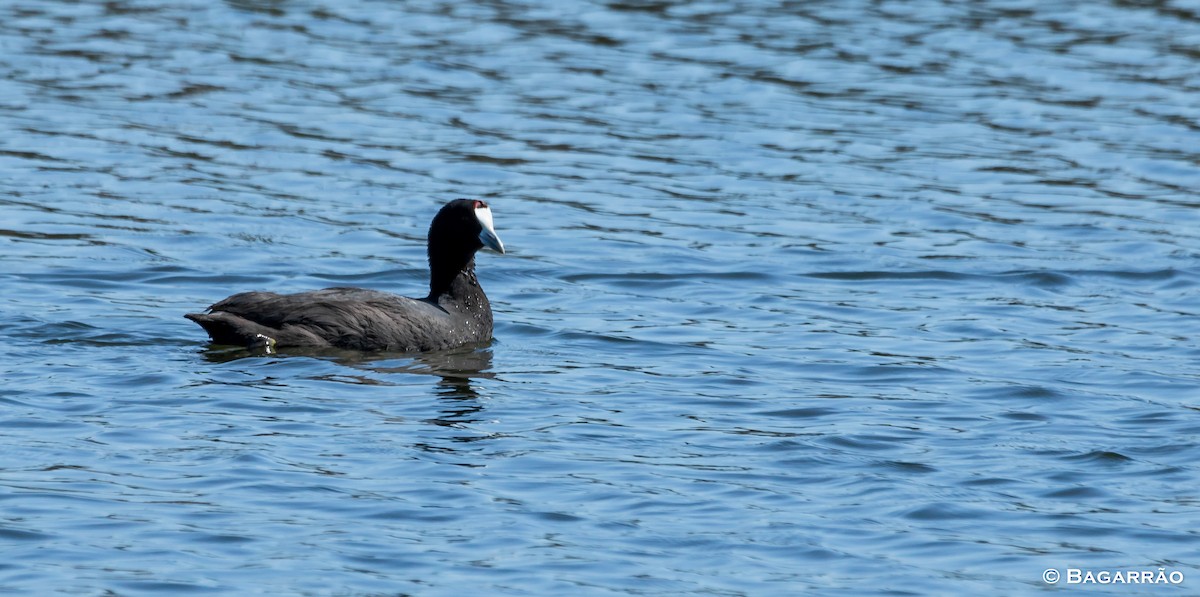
(455, 312)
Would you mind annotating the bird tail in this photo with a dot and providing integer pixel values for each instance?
(227, 328)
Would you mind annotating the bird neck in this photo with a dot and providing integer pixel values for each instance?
(454, 279)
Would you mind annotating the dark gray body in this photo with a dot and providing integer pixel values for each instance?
(455, 312)
(354, 318)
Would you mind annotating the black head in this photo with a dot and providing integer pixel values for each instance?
(459, 229)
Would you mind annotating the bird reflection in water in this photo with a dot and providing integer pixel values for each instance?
(461, 406)
(457, 368)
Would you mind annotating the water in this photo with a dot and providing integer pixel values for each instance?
(833, 298)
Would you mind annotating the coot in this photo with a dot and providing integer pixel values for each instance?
(455, 312)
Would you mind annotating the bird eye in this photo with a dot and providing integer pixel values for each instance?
(479, 204)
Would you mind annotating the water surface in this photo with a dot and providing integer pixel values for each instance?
(801, 297)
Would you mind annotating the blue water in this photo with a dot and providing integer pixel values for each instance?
(840, 298)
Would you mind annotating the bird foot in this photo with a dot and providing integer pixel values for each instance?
(264, 342)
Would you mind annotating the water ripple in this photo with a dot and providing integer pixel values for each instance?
(862, 298)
